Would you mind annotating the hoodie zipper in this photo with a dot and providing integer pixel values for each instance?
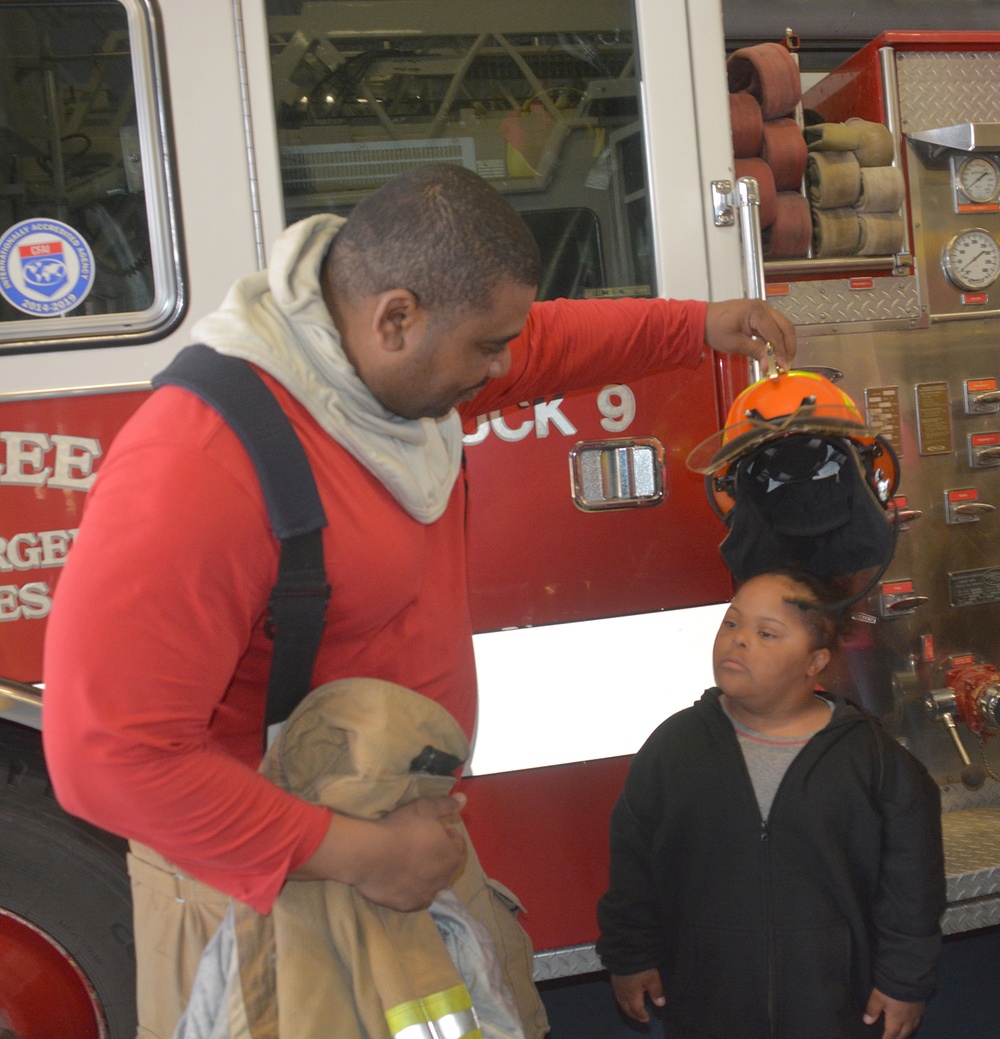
(765, 838)
(765, 844)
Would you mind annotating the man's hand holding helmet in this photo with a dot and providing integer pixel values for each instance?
(746, 326)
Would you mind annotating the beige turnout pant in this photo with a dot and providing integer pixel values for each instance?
(174, 917)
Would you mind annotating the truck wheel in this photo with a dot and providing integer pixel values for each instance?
(68, 964)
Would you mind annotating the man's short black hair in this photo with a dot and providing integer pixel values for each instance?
(440, 231)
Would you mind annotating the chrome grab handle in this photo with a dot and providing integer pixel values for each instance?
(748, 205)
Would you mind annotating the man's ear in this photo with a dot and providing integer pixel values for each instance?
(395, 312)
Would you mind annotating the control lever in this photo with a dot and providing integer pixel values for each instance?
(973, 508)
(942, 704)
(962, 505)
(973, 693)
(899, 599)
(904, 603)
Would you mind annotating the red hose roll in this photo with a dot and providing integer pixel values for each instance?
(784, 150)
(748, 125)
(790, 236)
(759, 169)
(769, 73)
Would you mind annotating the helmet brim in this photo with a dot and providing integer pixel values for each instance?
(727, 445)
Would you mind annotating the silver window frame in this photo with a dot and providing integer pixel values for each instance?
(159, 180)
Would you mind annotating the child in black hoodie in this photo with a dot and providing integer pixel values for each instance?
(776, 860)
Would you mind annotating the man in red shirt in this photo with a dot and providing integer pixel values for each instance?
(379, 336)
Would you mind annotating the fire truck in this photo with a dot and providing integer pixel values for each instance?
(150, 154)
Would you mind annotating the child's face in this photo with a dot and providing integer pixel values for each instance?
(763, 648)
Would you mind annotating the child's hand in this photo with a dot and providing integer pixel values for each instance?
(631, 990)
(901, 1019)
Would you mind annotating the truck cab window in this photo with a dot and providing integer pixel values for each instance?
(540, 99)
(86, 246)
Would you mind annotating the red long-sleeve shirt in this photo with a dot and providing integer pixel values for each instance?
(156, 658)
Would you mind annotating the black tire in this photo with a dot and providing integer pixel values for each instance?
(66, 878)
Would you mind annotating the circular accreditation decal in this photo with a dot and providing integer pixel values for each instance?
(46, 268)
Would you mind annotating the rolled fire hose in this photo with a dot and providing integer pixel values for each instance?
(835, 232)
(768, 72)
(834, 179)
(790, 235)
(881, 234)
(832, 137)
(784, 150)
(761, 172)
(876, 148)
(748, 125)
(882, 190)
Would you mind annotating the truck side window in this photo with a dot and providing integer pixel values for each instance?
(542, 100)
(85, 232)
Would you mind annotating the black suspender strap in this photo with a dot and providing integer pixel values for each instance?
(298, 600)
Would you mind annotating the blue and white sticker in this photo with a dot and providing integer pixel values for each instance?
(46, 267)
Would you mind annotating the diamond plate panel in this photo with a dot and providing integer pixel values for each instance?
(945, 89)
(815, 306)
(972, 854)
(563, 963)
(566, 962)
(970, 916)
(956, 798)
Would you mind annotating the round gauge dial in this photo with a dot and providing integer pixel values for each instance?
(972, 259)
(979, 179)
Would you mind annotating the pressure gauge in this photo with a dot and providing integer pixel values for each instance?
(978, 178)
(972, 259)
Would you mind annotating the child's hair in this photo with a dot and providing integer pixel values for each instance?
(822, 612)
